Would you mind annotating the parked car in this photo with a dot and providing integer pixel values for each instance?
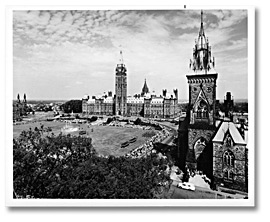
(186, 186)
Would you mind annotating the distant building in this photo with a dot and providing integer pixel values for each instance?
(145, 104)
(19, 108)
(228, 104)
(98, 105)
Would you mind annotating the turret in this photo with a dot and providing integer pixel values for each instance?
(202, 61)
(175, 91)
(18, 98)
(24, 98)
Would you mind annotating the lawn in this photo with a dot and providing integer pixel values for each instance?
(106, 139)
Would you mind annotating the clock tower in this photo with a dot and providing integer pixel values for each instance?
(202, 98)
(121, 87)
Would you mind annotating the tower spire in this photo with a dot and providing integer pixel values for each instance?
(201, 18)
(202, 57)
(201, 29)
(121, 57)
(145, 88)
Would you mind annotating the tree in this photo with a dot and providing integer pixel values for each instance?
(65, 166)
(72, 106)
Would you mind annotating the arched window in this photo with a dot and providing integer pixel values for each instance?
(225, 158)
(228, 158)
(231, 160)
(202, 110)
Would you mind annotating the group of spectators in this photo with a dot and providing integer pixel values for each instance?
(147, 147)
(128, 125)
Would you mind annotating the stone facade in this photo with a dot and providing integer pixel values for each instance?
(135, 106)
(161, 107)
(230, 164)
(98, 106)
(202, 98)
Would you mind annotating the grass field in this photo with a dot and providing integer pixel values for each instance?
(106, 139)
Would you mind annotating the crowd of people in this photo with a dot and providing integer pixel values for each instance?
(129, 125)
(148, 146)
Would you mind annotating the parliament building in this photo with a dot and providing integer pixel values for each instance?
(145, 104)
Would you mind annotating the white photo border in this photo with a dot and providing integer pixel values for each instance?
(10, 202)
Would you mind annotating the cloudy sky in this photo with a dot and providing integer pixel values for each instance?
(67, 54)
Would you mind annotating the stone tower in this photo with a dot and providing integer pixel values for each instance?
(202, 99)
(121, 88)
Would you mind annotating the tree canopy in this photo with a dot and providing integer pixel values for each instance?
(65, 166)
(72, 106)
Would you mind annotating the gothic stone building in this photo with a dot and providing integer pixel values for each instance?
(145, 104)
(230, 157)
(19, 108)
(197, 131)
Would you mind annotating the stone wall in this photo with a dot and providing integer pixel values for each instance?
(195, 134)
(239, 168)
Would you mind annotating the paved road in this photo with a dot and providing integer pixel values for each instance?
(173, 133)
(199, 193)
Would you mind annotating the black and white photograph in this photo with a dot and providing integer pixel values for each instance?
(138, 106)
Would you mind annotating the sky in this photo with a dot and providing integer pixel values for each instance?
(67, 54)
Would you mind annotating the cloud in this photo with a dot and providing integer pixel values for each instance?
(81, 48)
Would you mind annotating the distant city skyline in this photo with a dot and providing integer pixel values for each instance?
(62, 55)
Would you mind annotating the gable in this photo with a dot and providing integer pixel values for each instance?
(228, 128)
(201, 97)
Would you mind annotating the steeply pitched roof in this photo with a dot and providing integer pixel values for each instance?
(233, 131)
(145, 88)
